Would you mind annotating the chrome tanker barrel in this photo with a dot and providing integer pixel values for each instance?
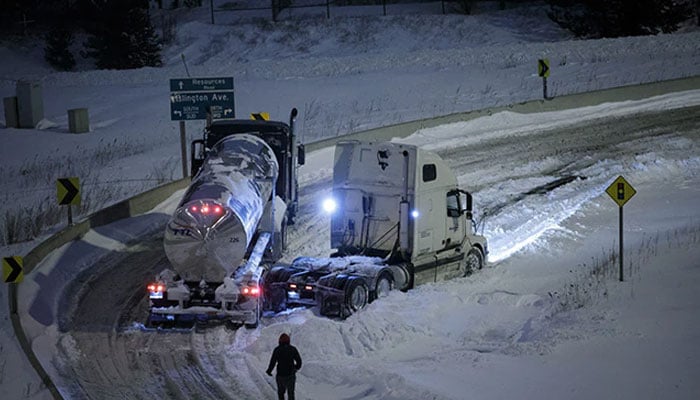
(210, 231)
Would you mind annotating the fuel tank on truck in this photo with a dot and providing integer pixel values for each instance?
(213, 225)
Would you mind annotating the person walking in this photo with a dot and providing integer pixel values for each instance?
(288, 362)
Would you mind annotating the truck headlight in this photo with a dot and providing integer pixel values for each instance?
(329, 205)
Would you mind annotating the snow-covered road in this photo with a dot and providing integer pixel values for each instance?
(407, 345)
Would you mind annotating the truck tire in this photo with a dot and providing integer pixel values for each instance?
(474, 261)
(385, 283)
(356, 296)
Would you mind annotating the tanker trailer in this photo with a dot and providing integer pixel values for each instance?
(227, 224)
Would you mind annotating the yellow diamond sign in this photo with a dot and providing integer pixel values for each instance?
(620, 191)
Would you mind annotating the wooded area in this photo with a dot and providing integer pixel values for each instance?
(121, 33)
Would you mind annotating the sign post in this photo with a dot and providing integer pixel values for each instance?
(543, 71)
(199, 98)
(620, 191)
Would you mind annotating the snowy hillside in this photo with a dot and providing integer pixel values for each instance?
(512, 330)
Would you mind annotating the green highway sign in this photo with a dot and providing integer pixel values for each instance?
(189, 106)
(201, 84)
(193, 98)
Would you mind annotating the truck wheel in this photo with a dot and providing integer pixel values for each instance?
(385, 283)
(356, 295)
(474, 261)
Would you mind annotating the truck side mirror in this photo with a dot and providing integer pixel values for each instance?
(301, 154)
(197, 154)
(468, 210)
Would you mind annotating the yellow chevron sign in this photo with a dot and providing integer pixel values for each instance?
(263, 116)
(68, 191)
(543, 67)
(12, 269)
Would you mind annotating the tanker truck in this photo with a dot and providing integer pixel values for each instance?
(398, 219)
(230, 223)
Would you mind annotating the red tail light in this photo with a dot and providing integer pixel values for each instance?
(156, 291)
(251, 291)
(206, 208)
(153, 287)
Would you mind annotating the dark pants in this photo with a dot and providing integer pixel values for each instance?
(286, 384)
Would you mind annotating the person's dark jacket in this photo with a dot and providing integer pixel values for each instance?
(287, 359)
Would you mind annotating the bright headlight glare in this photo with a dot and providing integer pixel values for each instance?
(415, 214)
(329, 205)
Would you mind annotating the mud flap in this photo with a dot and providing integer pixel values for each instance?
(330, 305)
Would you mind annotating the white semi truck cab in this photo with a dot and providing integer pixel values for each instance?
(398, 220)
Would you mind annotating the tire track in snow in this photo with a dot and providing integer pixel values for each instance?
(109, 364)
(96, 362)
(516, 165)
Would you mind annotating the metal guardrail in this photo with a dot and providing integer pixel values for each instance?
(147, 201)
(633, 92)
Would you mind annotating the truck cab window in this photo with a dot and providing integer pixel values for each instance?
(429, 172)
